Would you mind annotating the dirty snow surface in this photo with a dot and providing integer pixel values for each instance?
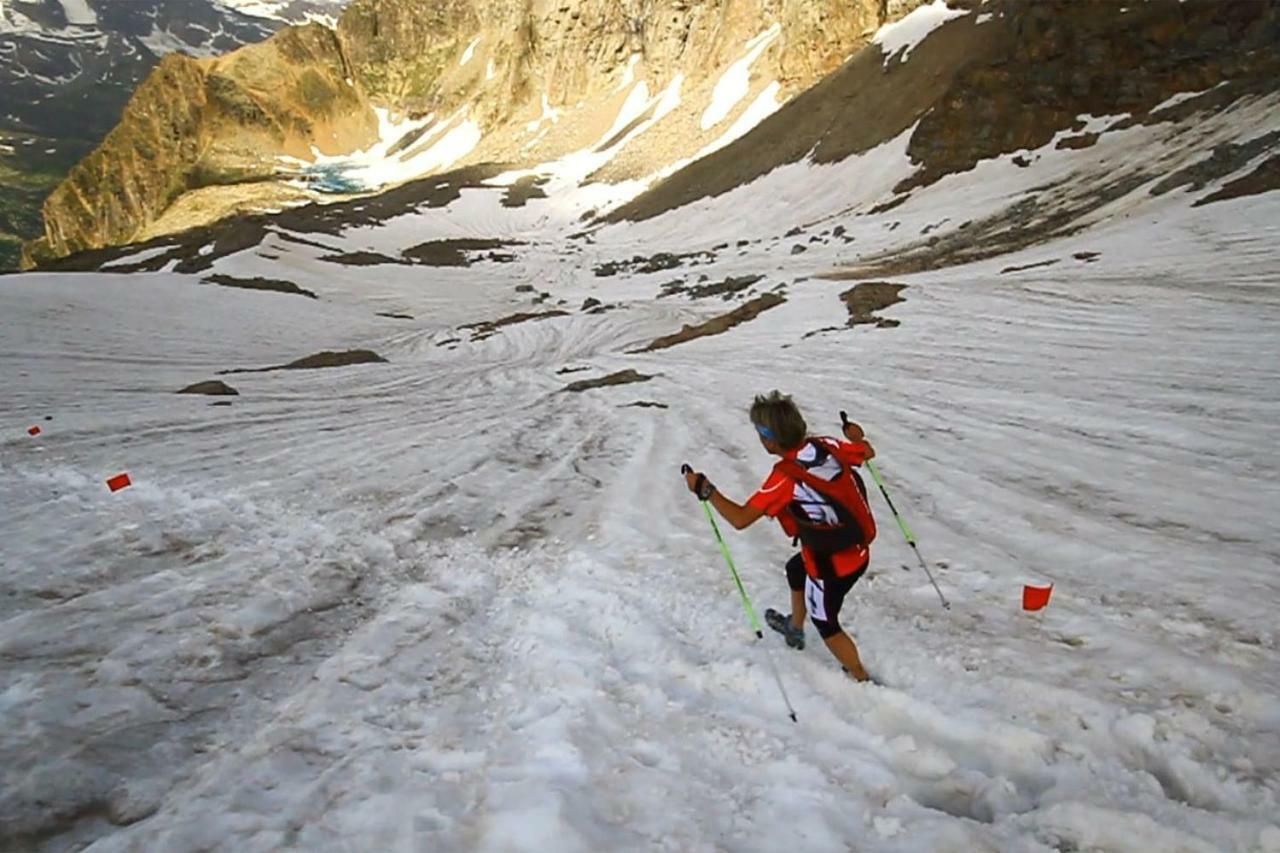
(440, 603)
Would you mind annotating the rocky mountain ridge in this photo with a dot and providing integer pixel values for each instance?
(645, 111)
(68, 69)
(493, 79)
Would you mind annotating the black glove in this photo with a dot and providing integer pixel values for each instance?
(702, 488)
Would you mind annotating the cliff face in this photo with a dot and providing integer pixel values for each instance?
(1059, 60)
(68, 70)
(196, 123)
(1009, 78)
(511, 68)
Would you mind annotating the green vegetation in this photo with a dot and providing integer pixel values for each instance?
(30, 168)
(315, 93)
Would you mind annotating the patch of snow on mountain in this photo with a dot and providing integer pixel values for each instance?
(629, 73)
(735, 83)
(898, 39)
(764, 105)
(470, 51)
(632, 108)
(78, 13)
(1174, 100)
(549, 115)
(161, 42)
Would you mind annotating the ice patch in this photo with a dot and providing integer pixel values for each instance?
(735, 83)
(549, 114)
(634, 107)
(161, 42)
(629, 73)
(902, 36)
(1183, 96)
(78, 13)
(669, 100)
(139, 257)
(374, 167)
(470, 51)
(765, 105)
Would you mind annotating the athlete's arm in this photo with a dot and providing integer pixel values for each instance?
(854, 434)
(739, 515)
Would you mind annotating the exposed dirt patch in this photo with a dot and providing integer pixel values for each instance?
(1075, 143)
(276, 285)
(487, 328)
(361, 259)
(644, 404)
(864, 300)
(626, 131)
(234, 235)
(328, 358)
(656, 263)
(1087, 257)
(405, 142)
(213, 388)
(1265, 178)
(528, 187)
(718, 325)
(565, 370)
(725, 289)
(1046, 213)
(622, 377)
(1225, 160)
(1037, 265)
(394, 316)
(455, 253)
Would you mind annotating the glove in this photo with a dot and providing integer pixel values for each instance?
(699, 485)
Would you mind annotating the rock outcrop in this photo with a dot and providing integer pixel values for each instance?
(1008, 77)
(512, 70)
(196, 123)
(67, 71)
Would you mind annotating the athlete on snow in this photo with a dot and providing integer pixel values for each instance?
(820, 501)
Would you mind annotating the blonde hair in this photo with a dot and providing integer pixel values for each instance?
(778, 414)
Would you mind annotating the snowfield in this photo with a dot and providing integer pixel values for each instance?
(443, 604)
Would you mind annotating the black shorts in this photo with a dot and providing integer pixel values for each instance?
(825, 597)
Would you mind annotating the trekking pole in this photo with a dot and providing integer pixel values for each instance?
(902, 524)
(746, 603)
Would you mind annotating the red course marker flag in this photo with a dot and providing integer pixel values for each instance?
(118, 482)
(35, 430)
(1035, 597)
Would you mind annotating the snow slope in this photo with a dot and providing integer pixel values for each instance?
(441, 604)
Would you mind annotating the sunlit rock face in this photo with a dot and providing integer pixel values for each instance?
(419, 85)
(67, 69)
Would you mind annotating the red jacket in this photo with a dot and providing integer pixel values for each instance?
(784, 494)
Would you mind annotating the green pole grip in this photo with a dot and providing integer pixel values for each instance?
(724, 549)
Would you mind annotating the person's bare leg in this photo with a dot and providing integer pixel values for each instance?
(845, 651)
(797, 608)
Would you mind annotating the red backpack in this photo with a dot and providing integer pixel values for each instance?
(846, 495)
